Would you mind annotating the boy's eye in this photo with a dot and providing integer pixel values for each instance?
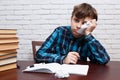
(84, 22)
(76, 20)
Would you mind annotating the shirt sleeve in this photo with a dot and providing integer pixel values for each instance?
(48, 52)
(97, 52)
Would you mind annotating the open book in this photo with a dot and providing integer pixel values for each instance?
(56, 67)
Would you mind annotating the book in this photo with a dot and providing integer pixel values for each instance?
(8, 31)
(7, 52)
(8, 61)
(56, 67)
(9, 46)
(8, 40)
(7, 36)
(9, 55)
(8, 66)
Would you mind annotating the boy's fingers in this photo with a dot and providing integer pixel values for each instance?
(76, 54)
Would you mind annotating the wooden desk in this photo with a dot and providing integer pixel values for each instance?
(96, 72)
(8, 74)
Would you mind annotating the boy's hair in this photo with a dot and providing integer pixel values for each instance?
(84, 10)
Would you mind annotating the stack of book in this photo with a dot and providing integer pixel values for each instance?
(8, 49)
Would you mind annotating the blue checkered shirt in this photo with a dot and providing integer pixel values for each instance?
(61, 42)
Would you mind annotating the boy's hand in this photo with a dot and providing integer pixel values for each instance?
(91, 27)
(72, 57)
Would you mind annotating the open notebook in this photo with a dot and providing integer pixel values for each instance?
(56, 67)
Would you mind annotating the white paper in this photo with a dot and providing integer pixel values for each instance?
(83, 27)
(76, 69)
(55, 67)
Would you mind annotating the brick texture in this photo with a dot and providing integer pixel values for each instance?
(36, 19)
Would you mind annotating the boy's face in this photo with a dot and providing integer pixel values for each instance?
(76, 25)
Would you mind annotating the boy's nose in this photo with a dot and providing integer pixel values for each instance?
(78, 26)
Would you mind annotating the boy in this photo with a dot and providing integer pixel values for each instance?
(66, 45)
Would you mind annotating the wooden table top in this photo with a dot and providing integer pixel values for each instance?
(109, 71)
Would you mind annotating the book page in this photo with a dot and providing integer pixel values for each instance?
(56, 67)
(47, 68)
(76, 69)
(7, 61)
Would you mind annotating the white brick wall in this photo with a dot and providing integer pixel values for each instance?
(36, 19)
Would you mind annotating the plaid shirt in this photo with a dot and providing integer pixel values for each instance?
(61, 42)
